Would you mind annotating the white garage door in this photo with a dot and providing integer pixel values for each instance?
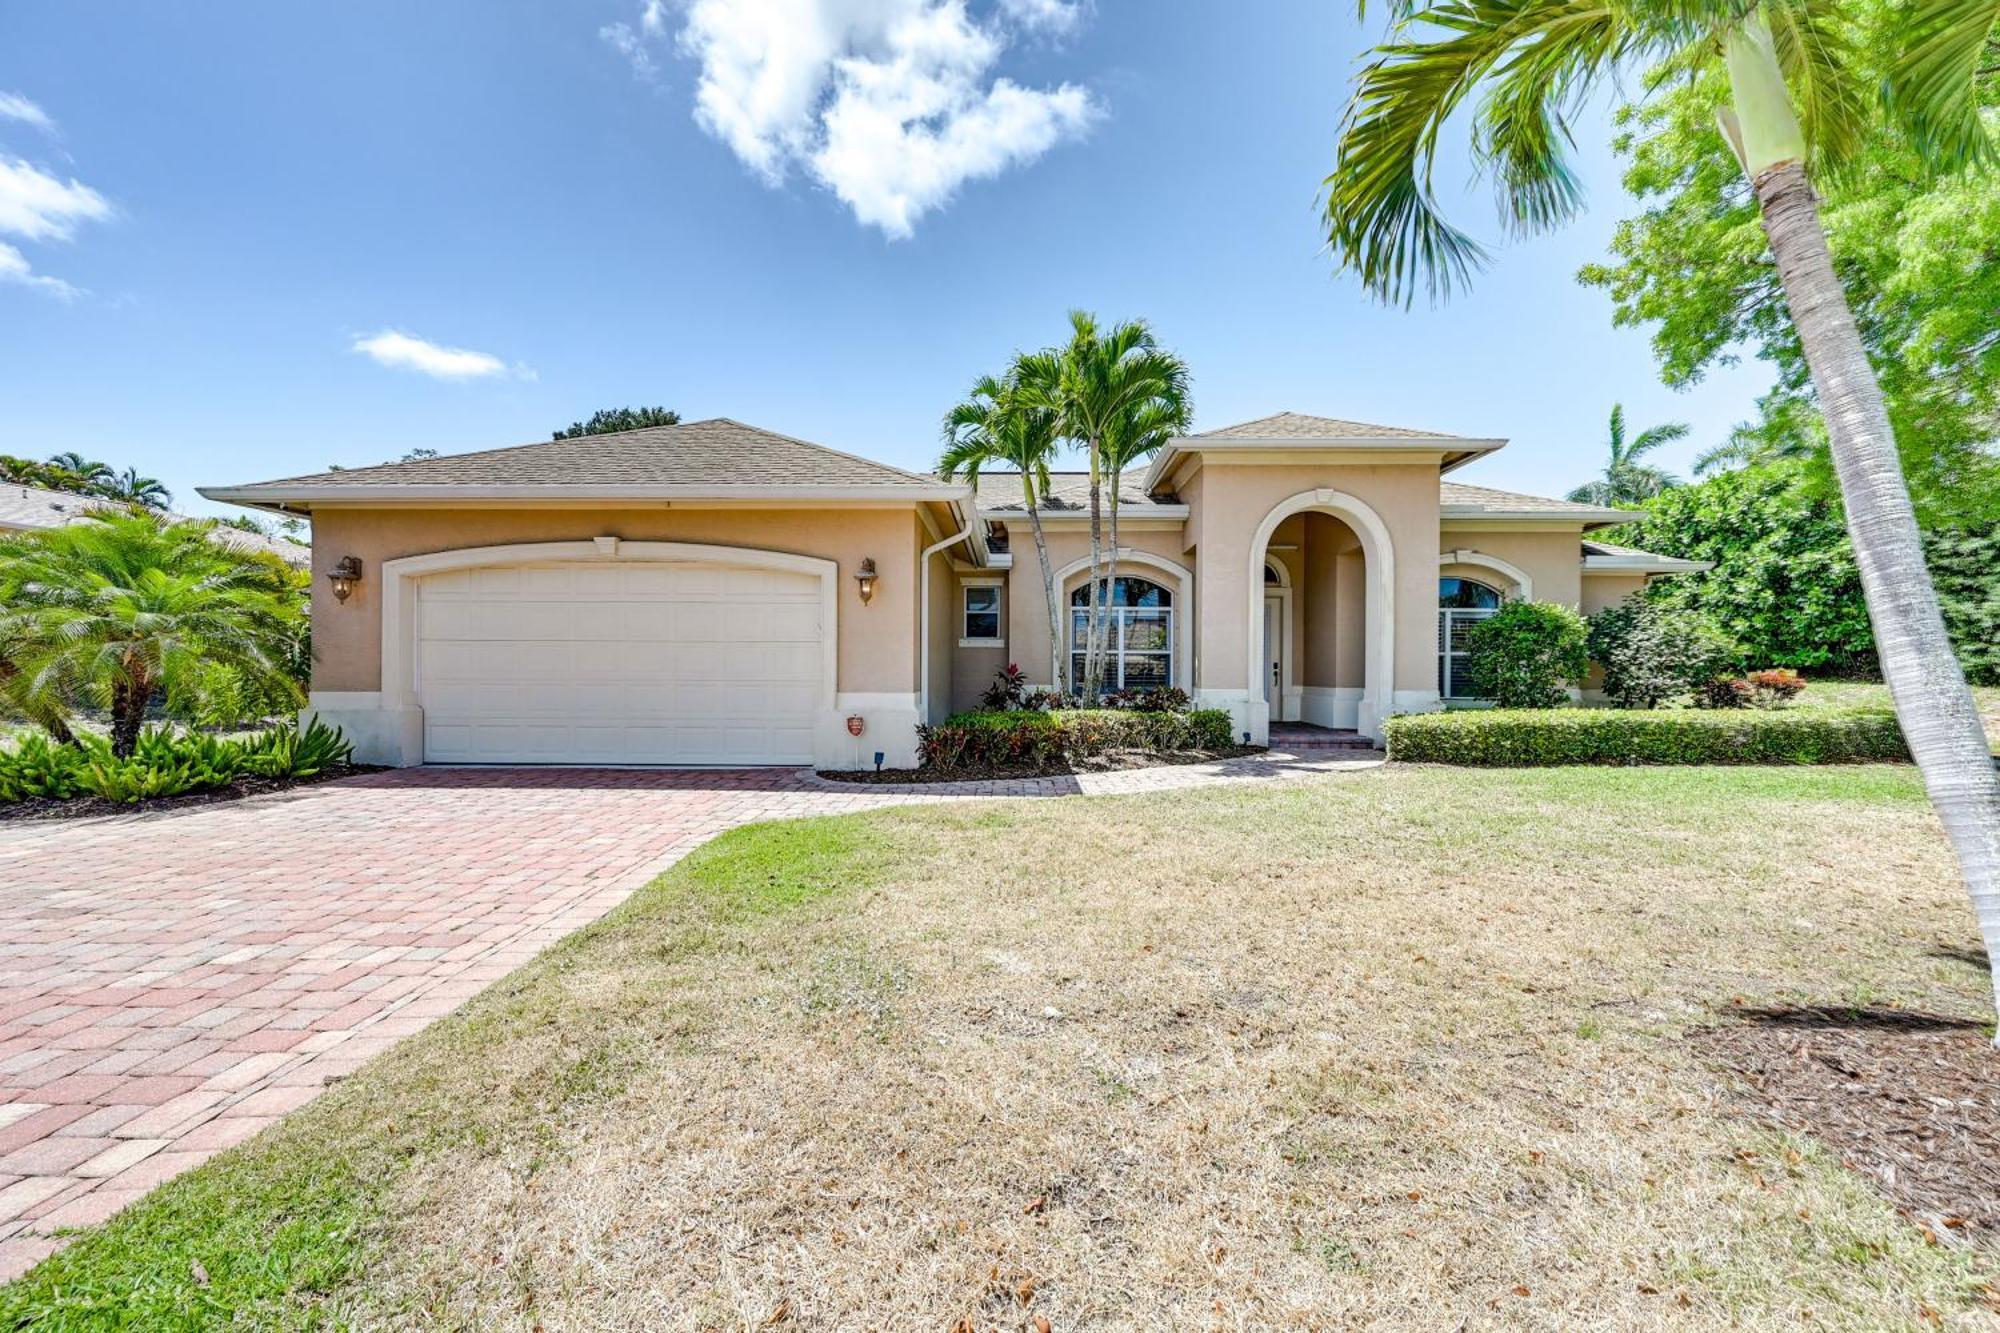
(619, 664)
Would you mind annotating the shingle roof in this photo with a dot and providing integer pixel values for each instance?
(1068, 492)
(1302, 426)
(33, 507)
(717, 452)
(1607, 551)
(1458, 496)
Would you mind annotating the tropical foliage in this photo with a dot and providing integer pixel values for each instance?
(164, 763)
(122, 608)
(1113, 393)
(1653, 654)
(1915, 253)
(79, 475)
(611, 420)
(1051, 741)
(1797, 103)
(1627, 480)
(1528, 655)
(1500, 738)
(1785, 583)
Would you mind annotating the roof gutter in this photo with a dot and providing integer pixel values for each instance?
(972, 524)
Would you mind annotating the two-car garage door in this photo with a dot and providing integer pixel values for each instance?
(641, 663)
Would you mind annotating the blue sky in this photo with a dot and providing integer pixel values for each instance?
(821, 216)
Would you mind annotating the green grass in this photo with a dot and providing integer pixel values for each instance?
(262, 1236)
(1378, 1048)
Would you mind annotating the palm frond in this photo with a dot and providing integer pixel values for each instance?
(1818, 61)
(1933, 86)
(1656, 436)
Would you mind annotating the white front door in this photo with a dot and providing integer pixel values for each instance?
(1274, 654)
(639, 663)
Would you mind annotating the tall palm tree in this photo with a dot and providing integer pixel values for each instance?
(1794, 107)
(997, 425)
(120, 606)
(1106, 379)
(1135, 439)
(132, 488)
(1627, 481)
(88, 472)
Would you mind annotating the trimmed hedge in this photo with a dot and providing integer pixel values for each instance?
(1501, 738)
(1027, 739)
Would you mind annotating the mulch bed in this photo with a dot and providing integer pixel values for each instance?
(1909, 1100)
(95, 807)
(1104, 763)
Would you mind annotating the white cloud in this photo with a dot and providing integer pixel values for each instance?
(890, 104)
(632, 46)
(406, 351)
(13, 106)
(1050, 18)
(14, 268)
(38, 207)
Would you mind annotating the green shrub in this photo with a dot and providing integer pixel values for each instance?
(164, 763)
(1528, 654)
(1033, 740)
(1652, 653)
(1499, 738)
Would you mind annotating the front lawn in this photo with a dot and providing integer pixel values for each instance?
(1415, 1048)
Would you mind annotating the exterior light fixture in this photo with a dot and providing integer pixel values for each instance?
(344, 576)
(864, 574)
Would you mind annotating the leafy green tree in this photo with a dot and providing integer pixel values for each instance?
(118, 607)
(1107, 387)
(1626, 480)
(1915, 253)
(611, 420)
(1796, 103)
(1528, 655)
(997, 425)
(1652, 653)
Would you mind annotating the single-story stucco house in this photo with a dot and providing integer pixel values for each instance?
(715, 594)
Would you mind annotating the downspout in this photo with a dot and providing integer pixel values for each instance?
(924, 614)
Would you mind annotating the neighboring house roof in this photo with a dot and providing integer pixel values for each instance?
(1606, 558)
(1457, 500)
(1069, 492)
(32, 507)
(716, 458)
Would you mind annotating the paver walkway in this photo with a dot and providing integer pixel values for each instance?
(170, 983)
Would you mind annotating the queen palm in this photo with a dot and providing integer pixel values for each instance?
(120, 606)
(1626, 480)
(133, 488)
(1106, 379)
(1793, 107)
(997, 425)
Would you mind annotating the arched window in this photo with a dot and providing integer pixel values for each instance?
(1138, 635)
(1272, 578)
(1462, 603)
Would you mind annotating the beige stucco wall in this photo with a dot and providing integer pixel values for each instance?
(972, 669)
(1026, 607)
(1552, 560)
(1602, 590)
(877, 642)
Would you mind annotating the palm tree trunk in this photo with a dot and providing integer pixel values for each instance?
(129, 697)
(1057, 681)
(1936, 710)
(1111, 573)
(1093, 650)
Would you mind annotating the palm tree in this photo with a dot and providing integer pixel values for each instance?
(1104, 381)
(88, 473)
(1135, 439)
(1794, 107)
(1627, 481)
(120, 606)
(997, 425)
(132, 488)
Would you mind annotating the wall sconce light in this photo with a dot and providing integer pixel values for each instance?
(344, 576)
(864, 574)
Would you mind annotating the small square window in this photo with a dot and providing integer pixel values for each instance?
(982, 613)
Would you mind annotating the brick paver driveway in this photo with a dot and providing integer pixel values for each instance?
(170, 983)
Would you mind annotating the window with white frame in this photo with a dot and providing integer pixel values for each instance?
(1138, 636)
(1462, 603)
(981, 621)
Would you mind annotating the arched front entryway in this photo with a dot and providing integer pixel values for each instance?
(1377, 623)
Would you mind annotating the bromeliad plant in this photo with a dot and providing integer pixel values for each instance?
(1794, 107)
